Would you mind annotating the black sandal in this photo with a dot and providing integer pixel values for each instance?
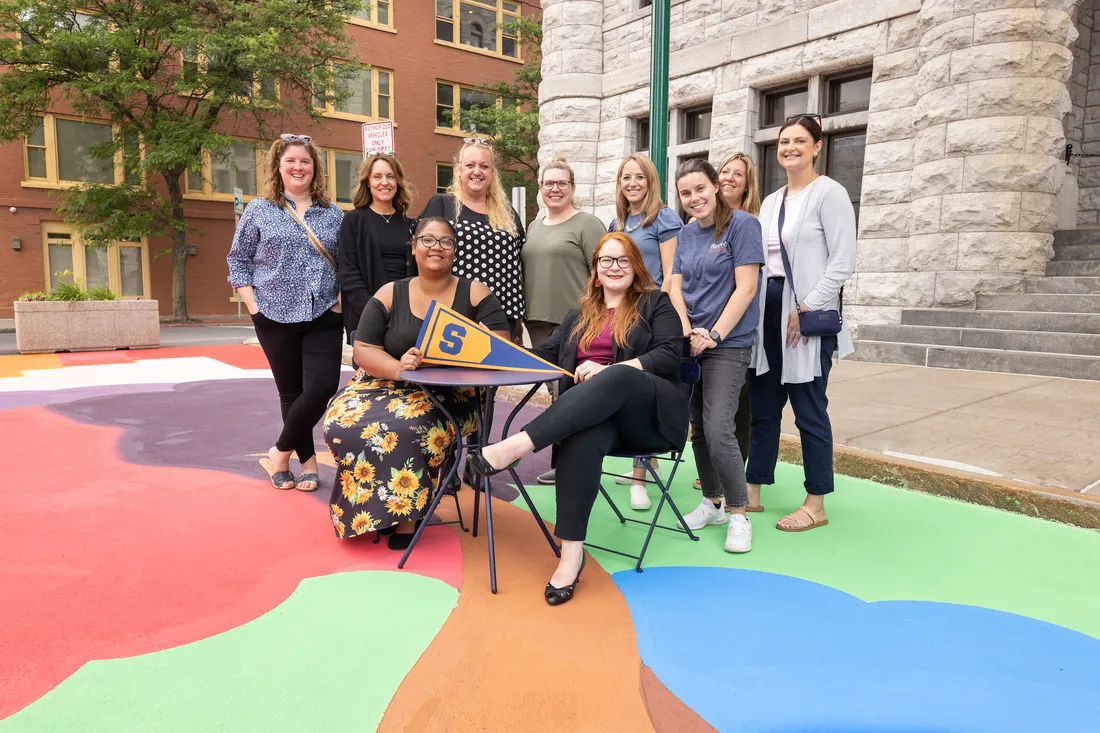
(479, 464)
(278, 478)
(558, 596)
(401, 541)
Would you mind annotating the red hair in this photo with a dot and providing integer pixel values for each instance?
(593, 307)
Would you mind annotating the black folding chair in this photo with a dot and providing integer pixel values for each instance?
(689, 374)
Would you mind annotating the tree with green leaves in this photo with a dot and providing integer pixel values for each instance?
(515, 122)
(173, 78)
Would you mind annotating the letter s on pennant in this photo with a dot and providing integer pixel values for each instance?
(451, 340)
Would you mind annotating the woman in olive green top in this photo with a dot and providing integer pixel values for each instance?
(557, 257)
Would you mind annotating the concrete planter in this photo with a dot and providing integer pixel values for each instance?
(89, 325)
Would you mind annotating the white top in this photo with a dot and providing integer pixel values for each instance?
(791, 212)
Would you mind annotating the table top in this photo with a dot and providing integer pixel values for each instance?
(463, 377)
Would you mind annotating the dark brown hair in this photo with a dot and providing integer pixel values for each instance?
(722, 211)
(811, 125)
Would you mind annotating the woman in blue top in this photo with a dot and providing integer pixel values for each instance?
(714, 281)
(640, 213)
(283, 265)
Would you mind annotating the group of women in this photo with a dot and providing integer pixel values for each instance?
(614, 305)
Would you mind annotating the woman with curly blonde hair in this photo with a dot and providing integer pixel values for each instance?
(283, 265)
(490, 236)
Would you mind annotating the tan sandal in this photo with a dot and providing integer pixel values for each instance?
(757, 508)
(815, 521)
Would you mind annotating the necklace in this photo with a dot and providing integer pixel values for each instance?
(384, 217)
(632, 228)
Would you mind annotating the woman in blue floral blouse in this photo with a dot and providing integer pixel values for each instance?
(283, 265)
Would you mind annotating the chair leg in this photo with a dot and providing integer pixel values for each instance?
(458, 509)
(614, 508)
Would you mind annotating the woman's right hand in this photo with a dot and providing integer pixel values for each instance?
(410, 360)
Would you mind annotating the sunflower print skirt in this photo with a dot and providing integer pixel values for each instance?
(390, 443)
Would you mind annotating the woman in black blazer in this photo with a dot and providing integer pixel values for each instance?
(374, 236)
(624, 345)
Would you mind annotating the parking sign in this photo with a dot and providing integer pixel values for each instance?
(378, 137)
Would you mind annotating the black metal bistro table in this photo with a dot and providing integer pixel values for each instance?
(487, 380)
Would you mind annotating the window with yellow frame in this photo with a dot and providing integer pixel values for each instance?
(239, 165)
(369, 91)
(451, 99)
(121, 266)
(444, 172)
(193, 62)
(374, 13)
(342, 171)
(478, 25)
(57, 153)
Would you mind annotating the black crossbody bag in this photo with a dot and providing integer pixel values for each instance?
(810, 323)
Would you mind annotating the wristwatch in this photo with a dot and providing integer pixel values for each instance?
(715, 336)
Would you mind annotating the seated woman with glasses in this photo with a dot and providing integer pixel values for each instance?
(624, 345)
(387, 436)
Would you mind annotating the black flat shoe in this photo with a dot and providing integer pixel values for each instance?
(558, 596)
(401, 541)
(479, 464)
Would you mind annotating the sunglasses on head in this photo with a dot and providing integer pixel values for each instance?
(484, 142)
(292, 138)
(804, 115)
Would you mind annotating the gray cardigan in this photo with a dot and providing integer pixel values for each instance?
(822, 251)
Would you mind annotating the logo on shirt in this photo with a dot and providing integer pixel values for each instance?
(719, 246)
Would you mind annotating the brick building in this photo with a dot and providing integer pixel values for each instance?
(421, 66)
(946, 120)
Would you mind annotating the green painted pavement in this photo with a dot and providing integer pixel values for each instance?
(882, 543)
(330, 657)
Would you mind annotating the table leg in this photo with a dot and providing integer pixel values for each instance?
(443, 481)
(487, 487)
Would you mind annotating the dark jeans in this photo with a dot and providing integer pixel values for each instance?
(768, 397)
(742, 421)
(305, 361)
(615, 410)
(713, 406)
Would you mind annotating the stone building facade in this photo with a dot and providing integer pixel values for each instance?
(947, 120)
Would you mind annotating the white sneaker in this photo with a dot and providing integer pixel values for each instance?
(629, 480)
(739, 534)
(639, 497)
(706, 513)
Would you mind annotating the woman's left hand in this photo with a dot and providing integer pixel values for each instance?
(794, 331)
(701, 341)
(586, 370)
(410, 360)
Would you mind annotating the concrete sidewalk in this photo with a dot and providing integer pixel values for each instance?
(1039, 430)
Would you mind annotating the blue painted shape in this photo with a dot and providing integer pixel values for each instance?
(757, 652)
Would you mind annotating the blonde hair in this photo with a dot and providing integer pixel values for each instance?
(273, 182)
(499, 209)
(402, 200)
(558, 164)
(651, 204)
(593, 309)
(750, 200)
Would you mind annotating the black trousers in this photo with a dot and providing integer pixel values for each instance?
(305, 361)
(615, 410)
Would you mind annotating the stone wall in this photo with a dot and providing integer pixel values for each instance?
(964, 132)
(1084, 121)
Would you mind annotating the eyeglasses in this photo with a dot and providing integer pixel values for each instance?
(605, 263)
(292, 138)
(551, 185)
(428, 241)
(482, 141)
(816, 118)
(372, 153)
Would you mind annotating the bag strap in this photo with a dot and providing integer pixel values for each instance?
(313, 238)
(783, 251)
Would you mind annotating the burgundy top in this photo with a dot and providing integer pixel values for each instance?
(601, 350)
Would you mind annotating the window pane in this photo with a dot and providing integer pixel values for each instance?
(384, 107)
(849, 95)
(36, 162)
(444, 30)
(443, 173)
(364, 12)
(845, 164)
(61, 259)
(780, 105)
(774, 177)
(133, 282)
(478, 27)
(235, 166)
(444, 8)
(95, 266)
(444, 94)
(474, 99)
(194, 181)
(443, 116)
(356, 81)
(384, 13)
(347, 169)
(641, 134)
(132, 160)
(511, 8)
(74, 162)
(508, 47)
(696, 125)
(37, 135)
(384, 82)
(267, 88)
(318, 97)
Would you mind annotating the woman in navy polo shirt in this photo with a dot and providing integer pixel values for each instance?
(715, 277)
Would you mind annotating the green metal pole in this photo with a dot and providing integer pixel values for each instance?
(658, 91)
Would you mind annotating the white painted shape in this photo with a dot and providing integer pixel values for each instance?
(943, 463)
(153, 371)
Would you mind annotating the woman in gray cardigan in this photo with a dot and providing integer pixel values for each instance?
(819, 234)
